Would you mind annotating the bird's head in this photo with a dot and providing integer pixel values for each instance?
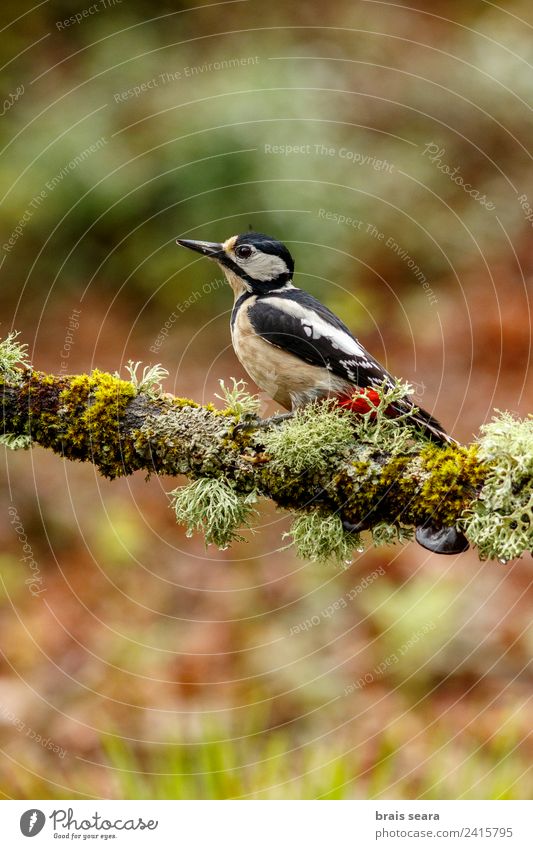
(251, 262)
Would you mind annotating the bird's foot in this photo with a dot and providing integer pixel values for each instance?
(276, 419)
(256, 424)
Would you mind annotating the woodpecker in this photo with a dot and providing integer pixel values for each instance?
(298, 351)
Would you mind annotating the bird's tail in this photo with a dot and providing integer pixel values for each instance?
(424, 422)
(364, 400)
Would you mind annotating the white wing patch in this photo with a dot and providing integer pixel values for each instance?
(352, 366)
(316, 327)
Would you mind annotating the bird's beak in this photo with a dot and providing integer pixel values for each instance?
(214, 250)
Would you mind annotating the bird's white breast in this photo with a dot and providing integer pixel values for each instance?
(283, 376)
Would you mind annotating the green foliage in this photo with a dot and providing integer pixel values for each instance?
(211, 505)
(500, 522)
(218, 768)
(321, 538)
(217, 139)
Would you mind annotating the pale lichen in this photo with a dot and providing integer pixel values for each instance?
(385, 533)
(322, 538)
(238, 401)
(13, 359)
(212, 506)
(311, 440)
(377, 427)
(16, 442)
(14, 364)
(500, 521)
(149, 380)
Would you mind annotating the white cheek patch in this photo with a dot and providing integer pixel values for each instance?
(262, 266)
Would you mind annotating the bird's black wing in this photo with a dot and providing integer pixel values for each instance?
(297, 323)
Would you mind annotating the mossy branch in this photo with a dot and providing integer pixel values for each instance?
(325, 464)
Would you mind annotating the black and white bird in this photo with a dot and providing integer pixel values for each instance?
(298, 351)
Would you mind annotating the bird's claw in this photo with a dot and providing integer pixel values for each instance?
(257, 424)
(243, 426)
(276, 419)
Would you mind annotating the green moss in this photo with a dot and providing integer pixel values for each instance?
(430, 483)
(437, 483)
(453, 476)
(185, 402)
(396, 486)
(81, 417)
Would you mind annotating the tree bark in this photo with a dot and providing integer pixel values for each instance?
(106, 421)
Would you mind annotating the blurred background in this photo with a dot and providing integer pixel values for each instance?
(390, 148)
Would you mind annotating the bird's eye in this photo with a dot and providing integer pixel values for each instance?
(243, 251)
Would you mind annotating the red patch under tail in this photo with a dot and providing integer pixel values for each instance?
(363, 401)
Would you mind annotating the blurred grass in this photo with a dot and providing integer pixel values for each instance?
(271, 767)
(210, 770)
